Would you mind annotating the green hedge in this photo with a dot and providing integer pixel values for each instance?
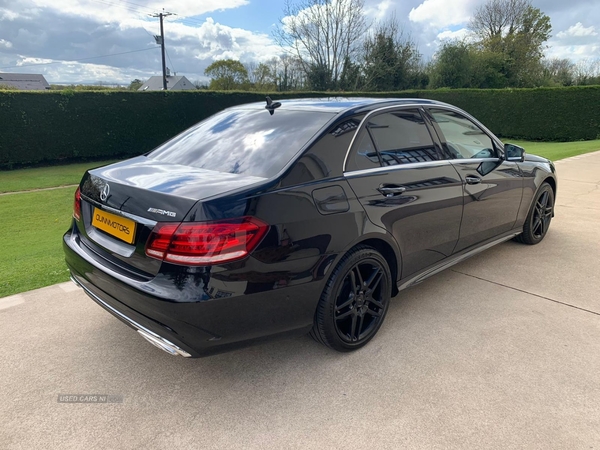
(55, 127)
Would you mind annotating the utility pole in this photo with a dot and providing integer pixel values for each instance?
(161, 39)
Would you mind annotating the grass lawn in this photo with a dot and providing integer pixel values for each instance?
(557, 150)
(45, 177)
(31, 227)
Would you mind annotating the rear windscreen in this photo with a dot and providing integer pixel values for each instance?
(244, 141)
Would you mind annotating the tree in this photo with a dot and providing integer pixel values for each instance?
(261, 76)
(391, 60)
(288, 73)
(587, 72)
(453, 65)
(559, 72)
(322, 35)
(460, 64)
(227, 75)
(200, 84)
(517, 31)
(135, 85)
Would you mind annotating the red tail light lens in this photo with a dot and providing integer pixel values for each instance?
(77, 205)
(205, 243)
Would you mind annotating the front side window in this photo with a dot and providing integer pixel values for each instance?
(461, 137)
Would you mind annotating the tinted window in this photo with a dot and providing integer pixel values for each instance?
(402, 137)
(365, 156)
(463, 139)
(244, 141)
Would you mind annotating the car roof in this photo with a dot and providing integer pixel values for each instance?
(338, 104)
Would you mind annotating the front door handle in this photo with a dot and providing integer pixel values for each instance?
(472, 180)
(389, 190)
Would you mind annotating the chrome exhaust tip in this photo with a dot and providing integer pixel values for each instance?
(163, 344)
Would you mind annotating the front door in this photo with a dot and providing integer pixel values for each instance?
(399, 176)
(492, 186)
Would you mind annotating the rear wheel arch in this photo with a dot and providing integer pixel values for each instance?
(355, 300)
(387, 251)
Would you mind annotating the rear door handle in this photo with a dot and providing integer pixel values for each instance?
(389, 190)
(472, 180)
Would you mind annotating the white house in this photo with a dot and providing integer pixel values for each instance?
(174, 83)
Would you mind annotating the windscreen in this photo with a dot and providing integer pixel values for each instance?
(243, 141)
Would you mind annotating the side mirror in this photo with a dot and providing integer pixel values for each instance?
(514, 153)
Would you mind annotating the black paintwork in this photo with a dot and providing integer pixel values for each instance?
(316, 212)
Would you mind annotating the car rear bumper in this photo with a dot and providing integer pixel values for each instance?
(147, 334)
(172, 319)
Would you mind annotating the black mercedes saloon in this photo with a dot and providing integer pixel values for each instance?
(295, 217)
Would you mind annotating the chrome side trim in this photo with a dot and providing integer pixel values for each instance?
(416, 279)
(150, 336)
(359, 173)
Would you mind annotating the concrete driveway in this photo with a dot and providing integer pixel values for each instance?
(501, 351)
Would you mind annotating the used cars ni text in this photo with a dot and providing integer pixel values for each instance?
(301, 216)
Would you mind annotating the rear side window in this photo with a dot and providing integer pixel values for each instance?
(388, 139)
(245, 141)
(402, 137)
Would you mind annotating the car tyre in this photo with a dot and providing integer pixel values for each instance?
(539, 217)
(354, 302)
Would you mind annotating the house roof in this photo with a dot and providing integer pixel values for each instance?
(24, 81)
(173, 83)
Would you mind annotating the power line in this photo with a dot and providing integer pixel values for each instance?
(170, 62)
(128, 8)
(79, 60)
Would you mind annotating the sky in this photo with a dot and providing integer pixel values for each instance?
(111, 41)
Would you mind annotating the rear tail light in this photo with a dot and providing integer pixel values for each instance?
(204, 243)
(77, 205)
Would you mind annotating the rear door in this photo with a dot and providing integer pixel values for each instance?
(399, 175)
(492, 187)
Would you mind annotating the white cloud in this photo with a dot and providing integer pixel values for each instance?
(578, 30)
(575, 43)
(5, 43)
(453, 35)
(216, 41)
(116, 11)
(442, 13)
(574, 52)
(6, 14)
(380, 10)
(27, 60)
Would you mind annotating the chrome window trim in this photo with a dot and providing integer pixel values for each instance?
(370, 114)
(483, 128)
(474, 160)
(424, 107)
(397, 167)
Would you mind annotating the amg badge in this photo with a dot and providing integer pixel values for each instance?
(162, 211)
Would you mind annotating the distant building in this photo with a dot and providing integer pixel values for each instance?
(174, 83)
(24, 81)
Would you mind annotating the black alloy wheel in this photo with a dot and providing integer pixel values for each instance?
(539, 217)
(354, 302)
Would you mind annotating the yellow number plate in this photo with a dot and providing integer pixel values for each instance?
(117, 226)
